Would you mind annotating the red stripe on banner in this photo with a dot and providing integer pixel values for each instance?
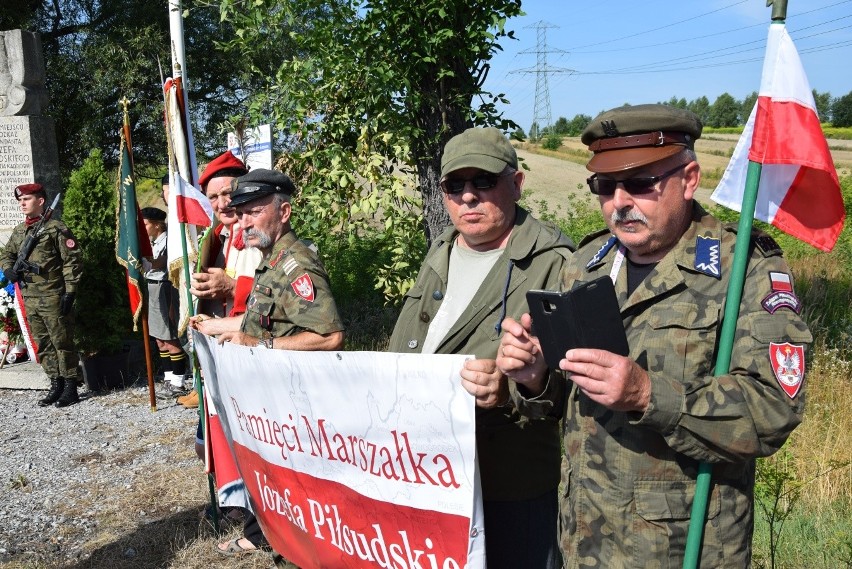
(789, 133)
(135, 296)
(190, 211)
(812, 209)
(319, 523)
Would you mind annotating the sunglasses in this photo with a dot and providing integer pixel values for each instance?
(482, 181)
(633, 186)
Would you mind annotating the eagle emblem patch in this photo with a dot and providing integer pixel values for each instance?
(304, 287)
(788, 365)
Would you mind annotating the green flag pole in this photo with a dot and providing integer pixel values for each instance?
(729, 327)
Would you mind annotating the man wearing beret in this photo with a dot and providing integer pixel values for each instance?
(48, 295)
(477, 272)
(636, 428)
(290, 306)
(222, 281)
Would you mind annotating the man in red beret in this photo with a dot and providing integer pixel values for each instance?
(49, 293)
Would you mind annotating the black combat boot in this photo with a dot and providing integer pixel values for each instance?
(69, 394)
(57, 384)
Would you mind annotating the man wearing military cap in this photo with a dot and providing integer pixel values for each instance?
(637, 427)
(476, 273)
(290, 306)
(48, 294)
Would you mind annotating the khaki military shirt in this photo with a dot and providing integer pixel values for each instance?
(518, 458)
(290, 294)
(57, 254)
(629, 478)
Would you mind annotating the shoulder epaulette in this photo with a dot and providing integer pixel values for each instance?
(766, 244)
(591, 237)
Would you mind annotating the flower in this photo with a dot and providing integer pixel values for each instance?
(8, 316)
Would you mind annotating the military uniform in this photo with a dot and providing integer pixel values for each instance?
(290, 294)
(518, 458)
(57, 253)
(629, 478)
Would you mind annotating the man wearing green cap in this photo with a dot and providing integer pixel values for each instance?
(636, 428)
(477, 272)
(290, 306)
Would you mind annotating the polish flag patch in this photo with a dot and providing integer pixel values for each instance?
(304, 287)
(788, 365)
(781, 281)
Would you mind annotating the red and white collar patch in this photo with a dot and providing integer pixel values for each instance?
(788, 365)
(304, 287)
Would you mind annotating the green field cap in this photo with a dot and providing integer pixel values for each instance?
(633, 136)
(483, 148)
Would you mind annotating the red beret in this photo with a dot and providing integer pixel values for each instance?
(225, 161)
(28, 189)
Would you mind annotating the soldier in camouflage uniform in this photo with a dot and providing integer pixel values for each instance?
(636, 428)
(290, 306)
(49, 295)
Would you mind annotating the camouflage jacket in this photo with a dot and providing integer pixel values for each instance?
(57, 254)
(629, 478)
(518, 458)
(290, 294)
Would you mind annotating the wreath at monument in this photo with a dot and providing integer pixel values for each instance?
(11, 339)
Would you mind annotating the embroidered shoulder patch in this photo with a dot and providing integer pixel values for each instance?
(707, 256)
(788, 365)
(782, 295)
(304, 287)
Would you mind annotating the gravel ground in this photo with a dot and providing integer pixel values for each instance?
(64, 471)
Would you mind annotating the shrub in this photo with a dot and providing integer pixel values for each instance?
(552, 142)
(102, 309)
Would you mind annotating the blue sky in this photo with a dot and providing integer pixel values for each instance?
(683, 48)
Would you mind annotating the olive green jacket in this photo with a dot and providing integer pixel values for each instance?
(629, 478)
(57, 254)
(290, 294)
(518, 458)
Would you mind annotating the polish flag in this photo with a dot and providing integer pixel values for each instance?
(188, 203)
(799, 192)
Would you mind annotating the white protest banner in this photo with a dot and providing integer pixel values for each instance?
(353, 459)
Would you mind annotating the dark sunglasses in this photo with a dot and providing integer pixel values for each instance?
(633, 186)
(482, 181)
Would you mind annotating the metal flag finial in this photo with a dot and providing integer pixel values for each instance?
(779, 9)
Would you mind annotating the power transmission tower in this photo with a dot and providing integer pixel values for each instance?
(541, 112)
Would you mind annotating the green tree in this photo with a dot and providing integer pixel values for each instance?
(701, 107)
(519, 135)
(725, 111)
(561, 126)
(578, 124)
(383, 79)
(841, 111)
(97, 52)
(677, 103)
(748, 104)
(823, 105)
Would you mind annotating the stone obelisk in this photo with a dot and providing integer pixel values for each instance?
(28, 151)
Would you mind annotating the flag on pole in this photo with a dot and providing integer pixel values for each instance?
(799, 192)
(131, 238)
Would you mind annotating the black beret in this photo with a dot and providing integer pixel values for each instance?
(259, 183)
(153, 214)
(636, 135)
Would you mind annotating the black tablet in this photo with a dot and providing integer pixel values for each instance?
(586, 317)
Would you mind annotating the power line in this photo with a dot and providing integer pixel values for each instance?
(541, 111)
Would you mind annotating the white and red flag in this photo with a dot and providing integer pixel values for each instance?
(799, 192)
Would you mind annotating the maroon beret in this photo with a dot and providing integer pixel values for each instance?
(28, 189)
(227, 164)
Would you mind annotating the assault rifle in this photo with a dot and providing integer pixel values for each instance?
(22, 264)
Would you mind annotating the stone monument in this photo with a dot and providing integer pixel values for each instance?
(28, 151)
